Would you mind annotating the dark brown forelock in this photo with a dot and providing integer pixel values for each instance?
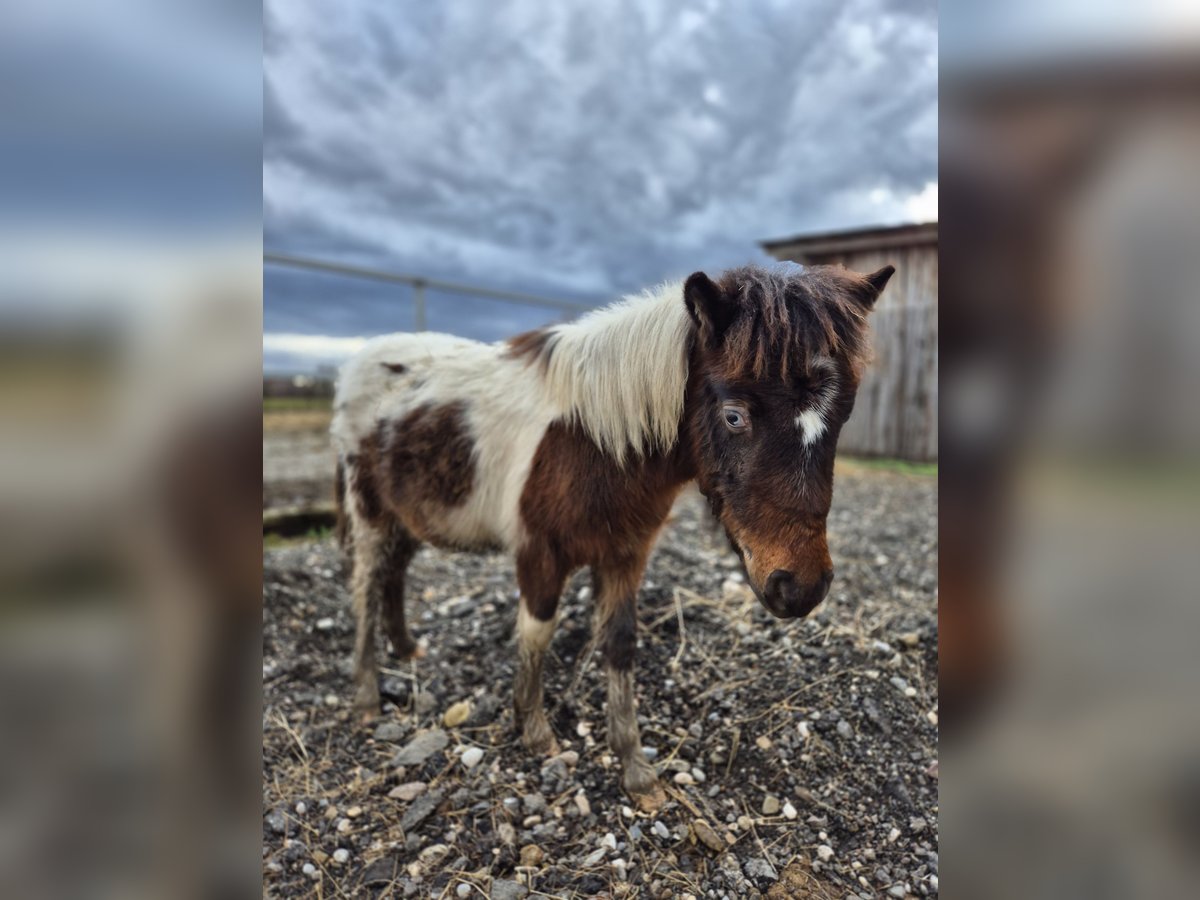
(786, 320)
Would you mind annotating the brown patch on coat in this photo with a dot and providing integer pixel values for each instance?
(580, 508)
(532, 346)
(413, 470)
(396, 368)
(429, 457)
(586, 510)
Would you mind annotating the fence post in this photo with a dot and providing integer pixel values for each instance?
(419, 304)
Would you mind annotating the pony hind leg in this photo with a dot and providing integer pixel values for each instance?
(541, 581)
(366, 581)
(616, 613)
(399, 550)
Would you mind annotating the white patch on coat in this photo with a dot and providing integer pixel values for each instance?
(507, 412)
(812, 421)
(811, 426)
(621, 371)
(532, 632)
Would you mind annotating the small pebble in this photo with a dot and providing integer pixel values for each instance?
(609, 841)
(824, 852)
(324, 624)
(770, 806)
(684, 778)
(310, 870)
(463, 889)
(661, 830)
(706, 836)
(471, 757)
(532, 855)
(581, 802)
(354, 812)
(457, 714)
(341, 855)
(789, 811)
(407, 792)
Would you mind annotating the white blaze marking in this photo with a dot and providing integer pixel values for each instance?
(811, 425)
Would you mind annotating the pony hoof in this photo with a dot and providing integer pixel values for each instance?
(539, 739)
(650, 799)
(408, 650)
(367, 703)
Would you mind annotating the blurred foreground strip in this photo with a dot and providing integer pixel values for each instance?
(130, 315)
(130, 561)
(1070, 478)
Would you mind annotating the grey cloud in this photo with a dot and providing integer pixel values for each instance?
(588, 148)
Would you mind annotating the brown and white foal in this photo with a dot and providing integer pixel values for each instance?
(566, 446)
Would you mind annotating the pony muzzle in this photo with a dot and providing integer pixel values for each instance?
(787, 592)
(786, 597)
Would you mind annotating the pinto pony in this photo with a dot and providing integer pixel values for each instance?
(566, 446)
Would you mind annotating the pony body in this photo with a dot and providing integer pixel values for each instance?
(566, 446)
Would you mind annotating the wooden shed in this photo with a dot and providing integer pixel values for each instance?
(897, 408)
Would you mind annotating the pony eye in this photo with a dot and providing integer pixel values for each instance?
(735, 419)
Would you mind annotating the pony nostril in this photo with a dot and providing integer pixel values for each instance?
(780, 586)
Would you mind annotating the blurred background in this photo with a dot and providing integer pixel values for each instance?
(1069, 448)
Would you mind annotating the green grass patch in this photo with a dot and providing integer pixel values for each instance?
(273, 539)
(297, 404)
(903, 466)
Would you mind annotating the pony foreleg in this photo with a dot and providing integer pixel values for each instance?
(618, 630)
(533, 637)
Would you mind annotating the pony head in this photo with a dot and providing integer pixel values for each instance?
(776, 361)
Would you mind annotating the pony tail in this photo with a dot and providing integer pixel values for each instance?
(342, 527)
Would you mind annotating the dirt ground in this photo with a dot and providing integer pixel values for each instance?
(800, 757)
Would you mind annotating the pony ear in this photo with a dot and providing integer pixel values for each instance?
(876, 282)
(708, 307)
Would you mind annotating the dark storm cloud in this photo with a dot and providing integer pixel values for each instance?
(586, 149)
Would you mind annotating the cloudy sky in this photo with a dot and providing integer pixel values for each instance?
(574, 149)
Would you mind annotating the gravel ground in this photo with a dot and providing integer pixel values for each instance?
(800, 758)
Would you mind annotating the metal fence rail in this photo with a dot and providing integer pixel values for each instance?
(419, 283)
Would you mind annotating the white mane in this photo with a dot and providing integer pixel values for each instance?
(621, 371)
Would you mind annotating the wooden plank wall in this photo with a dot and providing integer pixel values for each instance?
(896, 411)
